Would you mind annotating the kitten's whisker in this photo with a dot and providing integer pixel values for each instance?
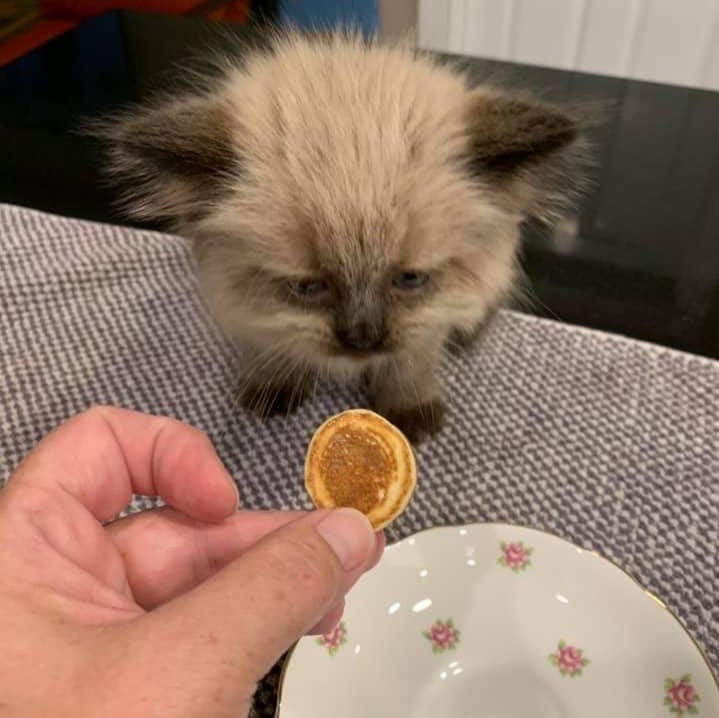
(298, 388)
(262, 399)
(294, 392)
(230, 414)
(244, 383)
(282, 374)
(400, 380)
(265, 387)
(270, 354)
(414, 387)
(274, 354)
(328, 371)
(286, 374)
(257, 369)
(317, 382)
(529, 299)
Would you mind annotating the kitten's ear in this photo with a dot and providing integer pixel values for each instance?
(171, 158)
(534, 153)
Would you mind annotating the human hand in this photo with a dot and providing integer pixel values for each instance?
(173, 612)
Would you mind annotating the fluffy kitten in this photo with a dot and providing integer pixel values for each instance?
(351, 207)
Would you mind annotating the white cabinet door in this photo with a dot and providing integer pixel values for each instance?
(670, 41)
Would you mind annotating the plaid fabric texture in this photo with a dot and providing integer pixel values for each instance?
(607, 442)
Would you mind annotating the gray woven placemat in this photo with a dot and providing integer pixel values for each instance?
(604, 441)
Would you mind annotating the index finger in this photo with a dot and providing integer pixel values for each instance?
(104, 455)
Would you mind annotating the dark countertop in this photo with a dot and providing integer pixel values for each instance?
(642, 258)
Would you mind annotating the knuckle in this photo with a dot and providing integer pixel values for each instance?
(173, 429)
(96, 418)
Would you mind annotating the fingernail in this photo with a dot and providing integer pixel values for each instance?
(350, 536)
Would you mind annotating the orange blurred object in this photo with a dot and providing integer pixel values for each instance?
(58, 16)
(88, 8)
(232, 12)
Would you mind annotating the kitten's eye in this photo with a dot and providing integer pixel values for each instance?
(410, 280)
(307, 287)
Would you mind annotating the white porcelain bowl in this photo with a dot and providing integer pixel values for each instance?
(498, 621)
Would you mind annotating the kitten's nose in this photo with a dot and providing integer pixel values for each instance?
(364, 336)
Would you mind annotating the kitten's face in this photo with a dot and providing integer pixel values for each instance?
(363, 283)
(347, 203)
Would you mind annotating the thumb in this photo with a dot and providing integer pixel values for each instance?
(230, 630)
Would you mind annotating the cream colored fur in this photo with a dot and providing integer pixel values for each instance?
(351, 161)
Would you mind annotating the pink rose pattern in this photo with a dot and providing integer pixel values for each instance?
(569, 660)
(680, 697)
(515, 556)
(443, 636)
(334, 639)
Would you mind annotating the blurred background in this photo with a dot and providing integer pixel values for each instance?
(656, 40)
(671, 41)
(26, 24)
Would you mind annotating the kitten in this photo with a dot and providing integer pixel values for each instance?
(352, 208)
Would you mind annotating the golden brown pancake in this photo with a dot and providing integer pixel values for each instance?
(358, 459)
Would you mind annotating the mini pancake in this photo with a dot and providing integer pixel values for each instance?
(360, 460)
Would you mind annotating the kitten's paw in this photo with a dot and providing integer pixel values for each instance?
(266, 401)
(419, 422)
